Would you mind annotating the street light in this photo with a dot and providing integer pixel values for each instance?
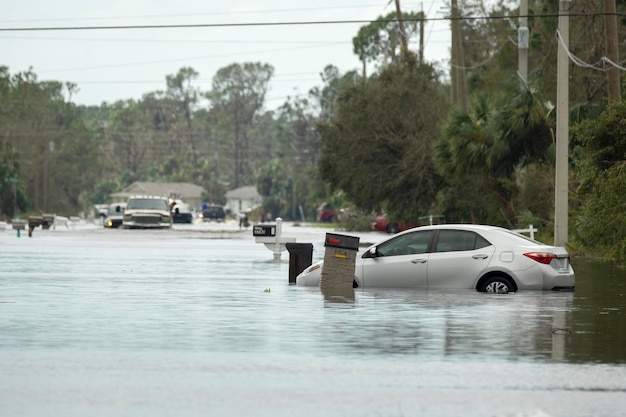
(14, 181)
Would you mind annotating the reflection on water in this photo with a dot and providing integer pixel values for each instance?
(227, 296)
(134, 323)
(338, 295)
(599, 313)
(464, 324)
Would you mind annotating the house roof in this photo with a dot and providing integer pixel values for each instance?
(248, 192)
(165, 189)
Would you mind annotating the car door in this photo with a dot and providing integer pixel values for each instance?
(457, 259)
(400, 262)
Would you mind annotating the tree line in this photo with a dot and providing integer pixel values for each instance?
(385, 138)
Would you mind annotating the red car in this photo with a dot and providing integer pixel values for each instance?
(382, 224)
(326, 213)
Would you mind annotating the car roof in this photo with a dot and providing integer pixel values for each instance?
(463, 226)
(501, 232)
(147, 197)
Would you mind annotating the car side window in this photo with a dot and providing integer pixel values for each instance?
(408, 244)
(459, 240)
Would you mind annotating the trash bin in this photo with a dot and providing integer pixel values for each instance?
(300, 258)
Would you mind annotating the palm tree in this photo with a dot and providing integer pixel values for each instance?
(490, 145)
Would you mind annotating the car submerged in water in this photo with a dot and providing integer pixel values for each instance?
(181, 212)
(213, 213)
(458, 256)
(147, 212)
(114, 215)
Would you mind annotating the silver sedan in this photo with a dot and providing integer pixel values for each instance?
(458, 256)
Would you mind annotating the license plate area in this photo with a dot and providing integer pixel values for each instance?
(562, 264)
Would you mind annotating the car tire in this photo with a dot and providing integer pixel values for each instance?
(497, 285)
(392, 228)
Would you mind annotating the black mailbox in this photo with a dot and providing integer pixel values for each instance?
(341, 241)
(264, 230)
(47, 220)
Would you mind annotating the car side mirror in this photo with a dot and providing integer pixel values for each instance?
(372, 253)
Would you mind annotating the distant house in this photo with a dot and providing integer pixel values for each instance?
(243, 199)
(189, 193)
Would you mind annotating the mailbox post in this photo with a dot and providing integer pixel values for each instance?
(271, 236)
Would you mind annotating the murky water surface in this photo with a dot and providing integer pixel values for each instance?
(201, 321)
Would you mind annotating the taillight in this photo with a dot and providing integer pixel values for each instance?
(541, 257)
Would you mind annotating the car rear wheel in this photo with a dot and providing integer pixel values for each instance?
(497, 285)
(393, 228)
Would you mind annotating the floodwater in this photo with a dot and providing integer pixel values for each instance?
(201, 321)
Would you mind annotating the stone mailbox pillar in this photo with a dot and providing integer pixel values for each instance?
(339, 261)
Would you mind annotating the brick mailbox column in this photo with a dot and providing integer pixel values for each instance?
(339, 261)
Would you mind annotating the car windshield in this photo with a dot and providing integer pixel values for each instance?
(147, 203)
(407, 244)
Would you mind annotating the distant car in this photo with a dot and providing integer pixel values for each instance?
(213, 213)
(326, 213)
(458, 256)
(102, 210)
(114, 215)
(382, 224)
(181, 212)
(143, 212)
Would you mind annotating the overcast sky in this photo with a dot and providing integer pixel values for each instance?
(117, 64)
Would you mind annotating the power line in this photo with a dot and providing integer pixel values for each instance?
(238, 13)
(222, 25)
(187, 59)
(289, 23)
(601, 65)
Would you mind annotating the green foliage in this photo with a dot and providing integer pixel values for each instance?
(380, 41)
(601, 160)
(12, 196)
(486, 152)
(355, 221)
(237, 97)
(54, 152)
(334, 84)
(378, 148)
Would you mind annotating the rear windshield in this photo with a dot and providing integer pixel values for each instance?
(523, 239)
(147, 204)
(214, 211)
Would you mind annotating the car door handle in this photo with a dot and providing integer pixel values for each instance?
(480, 256)
(418, 261)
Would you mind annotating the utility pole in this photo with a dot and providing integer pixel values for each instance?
(403, 39)
(522, 42)
(612, 51)
(421, 55)
(561, 205)
(457, 71)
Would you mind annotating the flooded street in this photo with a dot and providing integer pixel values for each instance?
(200, 320)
